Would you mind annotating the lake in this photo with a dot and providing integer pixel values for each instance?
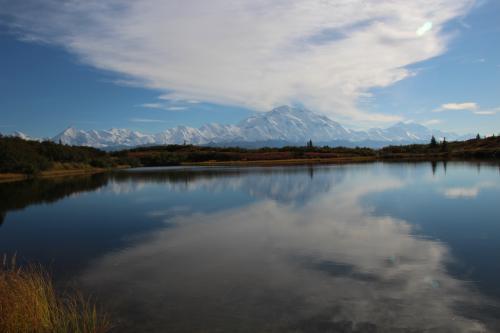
(374, 247)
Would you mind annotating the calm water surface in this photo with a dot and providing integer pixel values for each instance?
(352, 248)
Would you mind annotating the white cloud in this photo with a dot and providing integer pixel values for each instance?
(489, 112)
(146, 120)
(467, 106)
(176, 108)
(485, 113)
(256, 54)
(163, 106)
(426, 27)
(470, 106)
(432, 122)
(152, 105)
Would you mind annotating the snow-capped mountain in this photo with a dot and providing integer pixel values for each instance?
(102, 139)
(23, 136)
(292, 125)
(283, 125)
(407, 132)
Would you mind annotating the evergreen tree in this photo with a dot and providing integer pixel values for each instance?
(433, 141)
(478, 137)
(444, 145)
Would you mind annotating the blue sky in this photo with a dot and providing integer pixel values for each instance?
(157, 64)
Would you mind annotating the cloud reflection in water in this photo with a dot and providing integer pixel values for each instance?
(327, 264)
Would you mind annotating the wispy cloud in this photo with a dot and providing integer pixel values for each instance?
(163, 106)
(152, 105)
(176, 108)
(467, 106)
(146, 120)
(488, 112)
(431, 122)
(256, 54)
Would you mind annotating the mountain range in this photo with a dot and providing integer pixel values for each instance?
(281, 126)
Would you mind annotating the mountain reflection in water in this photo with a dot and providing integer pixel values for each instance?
(285, 249)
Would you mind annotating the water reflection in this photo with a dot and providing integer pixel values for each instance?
(351, 248)
(284, 184)
(19, 195)
(325, 265)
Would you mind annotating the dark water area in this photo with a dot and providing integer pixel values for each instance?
(347, 248)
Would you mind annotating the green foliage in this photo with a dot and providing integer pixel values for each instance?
(31, 157)
(17, 155)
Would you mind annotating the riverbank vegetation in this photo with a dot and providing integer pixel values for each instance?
(479, 148)
(29, 303)
(18, 157)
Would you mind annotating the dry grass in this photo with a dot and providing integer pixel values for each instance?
(30, 304)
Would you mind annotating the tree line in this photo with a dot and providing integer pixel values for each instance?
(31, 157)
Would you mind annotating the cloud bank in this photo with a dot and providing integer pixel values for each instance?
(252, 53)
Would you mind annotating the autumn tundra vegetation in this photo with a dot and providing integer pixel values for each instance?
(29, 303)
(33, 157)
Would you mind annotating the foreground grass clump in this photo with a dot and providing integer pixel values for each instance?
(29, 303)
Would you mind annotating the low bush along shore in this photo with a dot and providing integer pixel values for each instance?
(29, 303)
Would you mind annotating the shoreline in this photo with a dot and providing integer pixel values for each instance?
(284, 162)
(14, 177)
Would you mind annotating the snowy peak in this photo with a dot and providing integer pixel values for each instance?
(292, 125)
(102, 139)
(21, 135)
(414, 132)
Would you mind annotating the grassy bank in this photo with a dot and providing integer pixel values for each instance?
(53, 173)
(30, 304)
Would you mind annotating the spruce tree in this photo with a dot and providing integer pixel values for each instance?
(444, 145)
(433, 141)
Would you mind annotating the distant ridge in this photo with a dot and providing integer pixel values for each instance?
(281, 126)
